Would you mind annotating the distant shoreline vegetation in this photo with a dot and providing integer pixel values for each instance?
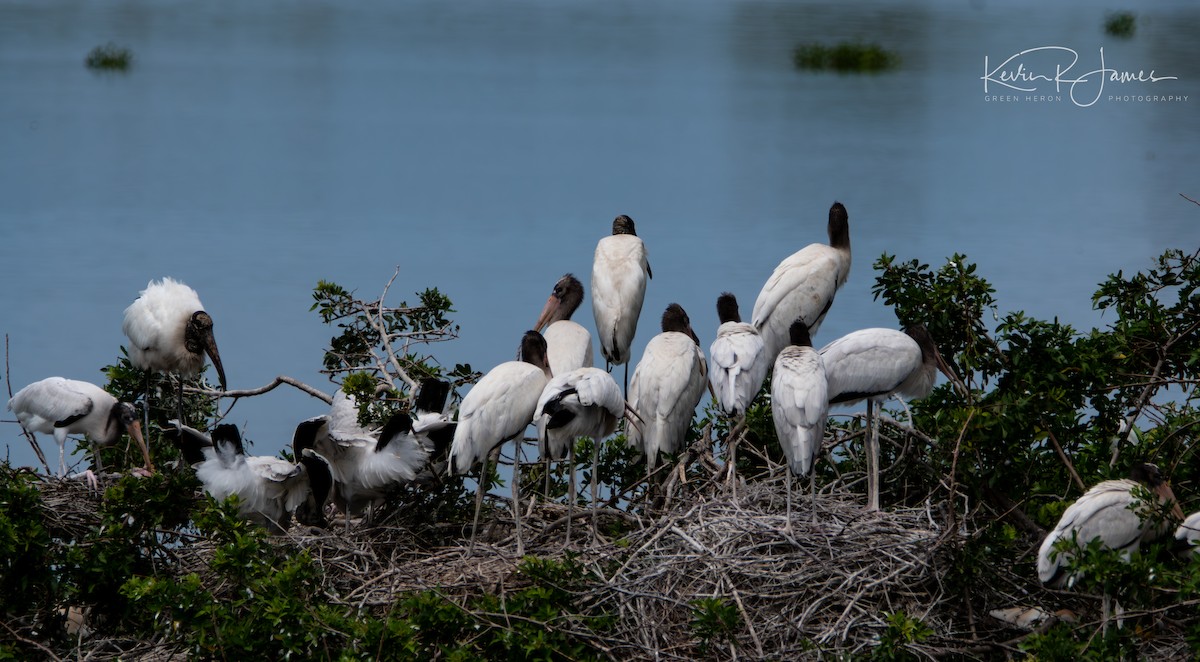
(845, 57)
(109, 57)
(1120, 24)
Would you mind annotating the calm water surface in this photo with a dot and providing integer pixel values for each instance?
(485, 147)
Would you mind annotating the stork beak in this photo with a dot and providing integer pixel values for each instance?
(945, 369)
(1167, 495)
(547, 312)
(135, 432)
(210, 346)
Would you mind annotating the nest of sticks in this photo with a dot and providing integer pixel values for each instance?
(823, 586)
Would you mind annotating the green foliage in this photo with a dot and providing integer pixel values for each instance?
(845, 57)
(714, 620)
(902, 630)
(109, 57)
(27, 581)
(1120, 23)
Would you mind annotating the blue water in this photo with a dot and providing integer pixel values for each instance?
(485, 147)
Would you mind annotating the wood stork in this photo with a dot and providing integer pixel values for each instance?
(739, 365)
(666, 387)
(1104, 512)
(800, 408)
(568, 344)
(1189, 532)
(169, 331)
(620, 270)
(365, 464)
(499, 408)
(873, 365)
(269, 489)
(61, 407)
(585, 402)
(803, 285)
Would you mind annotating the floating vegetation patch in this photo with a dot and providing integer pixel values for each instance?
(1120, 23)
(845, 57)
(109, 57)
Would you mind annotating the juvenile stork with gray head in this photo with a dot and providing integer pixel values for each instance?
(620, 271)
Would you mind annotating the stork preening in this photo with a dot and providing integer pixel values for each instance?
(569, 345)
(586, 402)
(365, 464)
(666, 387)
(63, 407)
(800, 409)
(169, 331)
(620, 271)
(803, 285)
(499, 408)
(873, 365)
(1104, 512)
(269, 489)
(739, 364)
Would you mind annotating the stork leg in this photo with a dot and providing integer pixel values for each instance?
(787, 525)
(480, 488)
(179, 401)
(872, 452)
(595, 490)
(516, 481)
(570, 491)
(62, 457)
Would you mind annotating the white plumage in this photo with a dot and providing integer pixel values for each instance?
(1103, 512)
(1189, 532)
(169, 331)
(800, 403)
(873, 365)
(620, 271)
(568, 344)
(803, 285)
(364, 463)
(63, 407)
(666, 387)
(738, 359)
(269, 489)
(585, 402)
(498, 408)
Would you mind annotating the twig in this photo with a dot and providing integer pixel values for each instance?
(245, 393)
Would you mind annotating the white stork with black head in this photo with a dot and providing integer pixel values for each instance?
(498, 408)
(269, 489)
(1104, 513)
(666, 387)
(169, 331)
(739, 359)
(800, 408)
(365, 464)
(803, 285)
(568, 344)
(585, 402)
(620, 271)
(873, 365)
(62, 407)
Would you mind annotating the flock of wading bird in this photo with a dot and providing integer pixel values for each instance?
(555, 386)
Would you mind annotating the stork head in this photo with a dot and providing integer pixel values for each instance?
(839, 226)
(566, 297)
(623, 225)
(1149, 475)
(727, 308)
(533, 350)
(675, 318)
(798, 333)
(126, 416)
(198, 337)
